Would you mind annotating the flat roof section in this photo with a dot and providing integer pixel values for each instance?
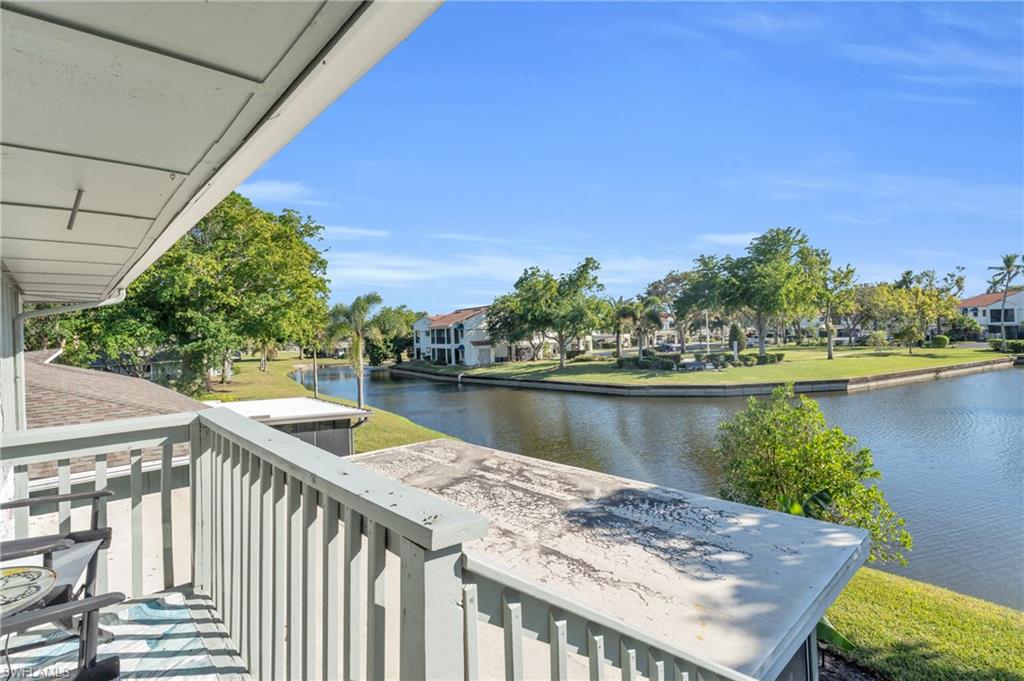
(738, 585)
(293, 410)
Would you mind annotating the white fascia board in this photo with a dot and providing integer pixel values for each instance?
(377, 30)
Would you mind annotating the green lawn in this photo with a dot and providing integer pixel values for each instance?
(384, 429)
(800, 364)
(906, 630)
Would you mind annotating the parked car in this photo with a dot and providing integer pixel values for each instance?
(753, 342)
(669, 347)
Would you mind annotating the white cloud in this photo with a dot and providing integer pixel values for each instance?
(353, 232)
(757, 23)
(280, 191)
(471, 238)
(886, 194)
(274, 190)
(728, 238)
(917, 98)
(957, 63)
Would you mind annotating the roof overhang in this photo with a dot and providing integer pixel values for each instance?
(123, 124)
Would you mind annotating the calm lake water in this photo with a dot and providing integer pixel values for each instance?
(951, 453)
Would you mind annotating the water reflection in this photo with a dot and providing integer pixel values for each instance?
(951, 453)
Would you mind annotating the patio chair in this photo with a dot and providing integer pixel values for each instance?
(71, 556)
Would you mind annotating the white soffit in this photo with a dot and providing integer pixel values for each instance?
(156, 111)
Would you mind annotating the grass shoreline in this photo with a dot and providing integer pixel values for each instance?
(904, 630)
(801, 365)
(383, 429)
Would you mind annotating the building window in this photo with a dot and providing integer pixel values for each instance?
(984, 312)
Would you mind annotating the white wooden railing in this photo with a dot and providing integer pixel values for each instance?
(291, 544)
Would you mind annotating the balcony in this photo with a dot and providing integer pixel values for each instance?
(294, 563)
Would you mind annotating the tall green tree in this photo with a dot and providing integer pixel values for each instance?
(645, 316)
(1003, 275)
(353, 322)
(831, 289)
(390, 334)
(618, 314)
(242, 276)
(770, 280)
(782, 449)
(574, 308)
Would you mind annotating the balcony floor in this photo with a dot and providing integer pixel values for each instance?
(170, 635)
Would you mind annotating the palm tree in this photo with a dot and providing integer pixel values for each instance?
(1003, 275)
(353, 322)
(620, 314)
(646, 317)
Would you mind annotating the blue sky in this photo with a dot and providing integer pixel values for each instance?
(502, 135)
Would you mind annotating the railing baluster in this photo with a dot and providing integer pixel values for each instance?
(655, 667)
(353, 587)
(512, 623)
(627, 660)
(558, 631)
(309, 590)
(266, 558)
(64, 487)
(470, 609)
(254, 602)
(375, 615)
(236, 547)
(281, 564)
(135, 459)
(294, 553)
(196, 480)
(595, 650)
(222, 466)
(21, 492)
(101, 521)
(242, 557)
(332, 583)
(165, 514)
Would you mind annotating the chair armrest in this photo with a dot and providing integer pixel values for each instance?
(55, 498)
(20, 621)
(23, 548)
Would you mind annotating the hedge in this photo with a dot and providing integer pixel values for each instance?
(1015, 346)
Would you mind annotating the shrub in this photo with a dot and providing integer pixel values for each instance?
(748, 360)
(702, 357)
(1014, 346)
(777, 356)
(625, 362)
(940, 341)
(878, 340)
(572, 354)
(674, 357)
(586, 358)
(736, 334)
(735, 363)
(783, 449)
(762, 359)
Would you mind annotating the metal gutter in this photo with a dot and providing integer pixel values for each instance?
(21, 418)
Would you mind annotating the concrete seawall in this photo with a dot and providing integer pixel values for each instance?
(845, 385)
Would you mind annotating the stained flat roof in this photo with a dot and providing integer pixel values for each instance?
(293, 410)
(738, 585)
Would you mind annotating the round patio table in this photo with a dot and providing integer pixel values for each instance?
(24, 585)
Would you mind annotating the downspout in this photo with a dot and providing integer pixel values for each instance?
(19, 343)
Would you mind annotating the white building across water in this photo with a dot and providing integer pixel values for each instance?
(458, 337)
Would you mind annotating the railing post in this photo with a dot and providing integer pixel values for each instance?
(201, 494)
(432, 632)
